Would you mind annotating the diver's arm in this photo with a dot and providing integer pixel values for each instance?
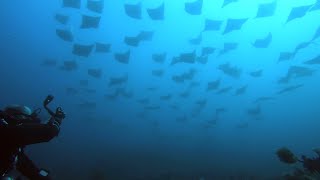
(26, 134)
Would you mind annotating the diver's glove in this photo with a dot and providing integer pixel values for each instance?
(59, 116)
(48, 100)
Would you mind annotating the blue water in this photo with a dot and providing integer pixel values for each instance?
(112, 141)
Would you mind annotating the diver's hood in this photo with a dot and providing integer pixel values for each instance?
(18, 114)
(18, 110)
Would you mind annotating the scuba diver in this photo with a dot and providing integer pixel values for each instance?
(19, 127)
(311, 166)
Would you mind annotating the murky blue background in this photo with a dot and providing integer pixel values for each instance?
(113, 141)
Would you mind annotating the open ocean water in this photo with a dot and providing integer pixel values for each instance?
(166, 89)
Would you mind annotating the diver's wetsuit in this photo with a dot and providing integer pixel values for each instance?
(14, 138)
(311, 164)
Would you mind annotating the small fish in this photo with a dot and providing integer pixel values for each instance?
(158, 72)
(241, 90)
(90, 22)
(234, 24)
(213, 85)
(96, 73)
(256, 74)
(254, 111)
(263, 99)
(229, 70)
(49, 62)
(289, 88)
(220, 110)
(166, 97)
(143, 101)
(201, 102)
(133, 10)
(152, 107)
(156, 13)
(69, 65)
(194, 8)
(224, 90)
(313, 61)
(96, 6)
